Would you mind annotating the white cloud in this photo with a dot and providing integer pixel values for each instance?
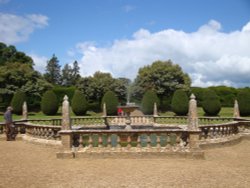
(14, 29)
(208, 55)
(128, 8)
(4, 1)
(40, 62)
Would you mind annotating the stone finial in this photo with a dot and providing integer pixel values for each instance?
(155, 110)
(192, 114)
(66, 124)
(25, 111)
(236, 109)
(104, 109)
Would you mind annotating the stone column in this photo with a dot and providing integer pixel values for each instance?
(236, 109)
(104, 110)
(25, 111)
(66, 123)
(155, 109)
(192, 114)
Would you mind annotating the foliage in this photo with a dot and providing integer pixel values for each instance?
(53, 71)
(61, 91)
(211, 103)
(163, 77)
(148, 100)
(180, 102)
(111, 102)
(165, 103)
(244, 102)
(17, 102)
(94, 87)
(79, 104)
(49, 103)
(70, 75)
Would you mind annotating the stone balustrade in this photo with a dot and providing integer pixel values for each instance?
(56, 121)
(219, 130)
(85, 121)
(171, 120)
(214, 120)
(163, 140)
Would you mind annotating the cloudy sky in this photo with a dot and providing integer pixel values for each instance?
(209, 39)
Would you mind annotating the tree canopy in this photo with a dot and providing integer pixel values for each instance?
(163, 77)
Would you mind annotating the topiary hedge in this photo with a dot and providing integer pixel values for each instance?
(211, 103)
(148, 100)
(49, 103)
(243, 98)
(17, 102)
(179, 103)
(111, 102)
(79, 104)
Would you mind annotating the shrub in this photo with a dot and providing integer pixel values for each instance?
(179, 103)
(79, 104)
(165, 103)
(244, 102)
(211, 103)
(17, 102)
(61, 91)
(111, 102)
(148, 100)
(49, 103)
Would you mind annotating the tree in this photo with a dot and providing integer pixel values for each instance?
(17, 102)
(49, 103)
(148, 100)
(70, 76)
(111, 102)
(243, 98)
(163, 77)
(79, 104)
(180, 102)
(53, 71)
(211, 103)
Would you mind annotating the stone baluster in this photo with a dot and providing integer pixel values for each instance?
(25, 111)
(236, 110)
(104, 110)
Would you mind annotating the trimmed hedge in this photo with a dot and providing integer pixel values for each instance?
(49, 103)
(179, 103)
(61, 91)
(17, 102)
(211, 103)
(79, 104)
(148, 100)
(244, 102)
(111, 102)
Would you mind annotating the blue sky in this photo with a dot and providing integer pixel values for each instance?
(120, 36)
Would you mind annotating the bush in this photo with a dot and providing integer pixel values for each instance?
(79, 104)
(179, 103)
(244, 102)
(111, 102)
(148, 100)
(17, 102)
(211, 103)
(165, 103)
(49, 103)
(61, 91)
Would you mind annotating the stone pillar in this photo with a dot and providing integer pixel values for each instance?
(25, 111)
(104, 110)
(155, 109)
(192, 114)
(236, 110)
(66, 123)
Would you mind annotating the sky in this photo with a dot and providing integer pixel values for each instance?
(209, 39)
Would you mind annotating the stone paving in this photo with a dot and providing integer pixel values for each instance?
(35, 166)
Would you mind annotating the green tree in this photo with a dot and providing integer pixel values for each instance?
(243, 98)
(79, 104)
(211, 103)
(70, 76)
(148, 100)
(53, 71)
(17, 102)
(49, 103)
(180, 102)
(111, 102)
(163, 77)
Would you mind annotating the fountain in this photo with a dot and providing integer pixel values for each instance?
(127, 109)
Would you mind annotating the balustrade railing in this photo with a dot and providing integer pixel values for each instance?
(218, 131)
(84, 121)
(57, 121)
(161, 139)
(174, 120)
(214, 120)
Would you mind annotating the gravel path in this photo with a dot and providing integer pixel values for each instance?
(28, 165)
